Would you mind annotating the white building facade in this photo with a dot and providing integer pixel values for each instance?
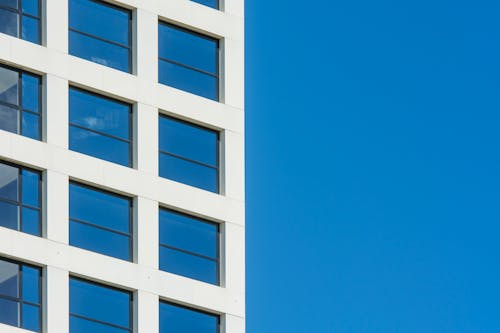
(122, 166)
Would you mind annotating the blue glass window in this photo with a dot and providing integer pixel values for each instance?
(179, 319)
(100, 221)
(20, 105)
(20, 199)
(100, 127)
(98, 308)
(189, 154)
(20, 295)
(101, 33)
(21, 19)
(188, 61)
(209, 3)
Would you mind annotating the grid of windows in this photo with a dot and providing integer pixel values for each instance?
(20, 199)
(20, 295)
(20, 102)
(21, 18)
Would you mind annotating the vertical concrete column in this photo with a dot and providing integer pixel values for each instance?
(56, 25)
(56, 300)
(233, 324)
(146, 39)
(233, 70)
(57, 206)
(234, 257)
(234, 7)
(146, 232)
(147, 318)
(146, 128)
(56, 111)
(233, 165)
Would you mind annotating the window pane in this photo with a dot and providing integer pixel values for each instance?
(100, 20)
(99, 113)
(9, 215)
(189, 141)
(9, 279)
(9, 3)
(31, 317)
(100, 241)
(188, 173)
(182, 320)
(100, 146)
(31, 186)
(79, 325)
(30, 7)
(99, 302)
(209, 3)
(31, 92)
(107, 210)
(10, 312)
(100, 52)
(9, 22)
(8, 182)
(192, 266)
(8, 81)
(31, 284)
(188, 80)
(8, 119)
(31, 221)
(188, 233)
(188, 48)
(31, 125)
(30, 29)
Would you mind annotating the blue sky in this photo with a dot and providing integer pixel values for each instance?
(373, 166)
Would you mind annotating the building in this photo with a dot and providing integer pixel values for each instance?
(122, 166)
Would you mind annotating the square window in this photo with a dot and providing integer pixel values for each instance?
(21, 19)
(100, 221)
(100, 126)
(176, 318)
(97, 308)
(20, 102)
(20, 199)
(101, 32)
(189, 153)
(20, 295)
(189, 246)
(188, 61)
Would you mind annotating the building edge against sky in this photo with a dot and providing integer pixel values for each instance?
(65, 261)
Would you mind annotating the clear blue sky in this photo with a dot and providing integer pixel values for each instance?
(373, 166)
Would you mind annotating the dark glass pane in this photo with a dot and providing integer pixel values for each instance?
(188, 48)
(8, 182)
(181, 320)
(30, 125)
(189, 141)
(9, 23)
(79, 325)
(188, 173)
(99, 146)
(98, 51)
(9, 3)
(31, 7)
(8, 80)
(10, 312)
(8, 119)
(9, 279)
(31, 284)
(101, 208)
(30, 29)
(209, 3)
(188, 80)
(192, 266)
(31, 317)
(31, 186)
(31, 221)
(100, 303)
(9, 215)
(188, 233)
(100, 20)
(99, 113)
(98, 240)
(31, 92)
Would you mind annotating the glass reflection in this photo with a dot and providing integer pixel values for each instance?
(180, 319)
